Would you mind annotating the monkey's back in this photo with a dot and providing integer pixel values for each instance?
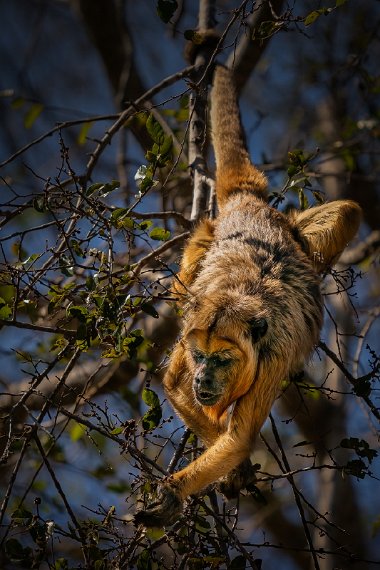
(255, 262)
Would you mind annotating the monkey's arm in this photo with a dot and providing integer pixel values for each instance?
(193, 254)
(228, 451)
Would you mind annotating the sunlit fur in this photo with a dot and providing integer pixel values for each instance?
(251, 263)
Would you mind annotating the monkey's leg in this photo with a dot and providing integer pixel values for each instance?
(193, 254)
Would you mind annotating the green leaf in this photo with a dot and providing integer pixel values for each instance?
(78, 312)
(22, 516)
(155, 130)
(150, 398)
(160, 234)
(315, 14)
(132, 342)
(166, 9)
(5, 310)
(117, 430)
(102, 188)
(202, 523)
(118, 213)
(39, 204)
(61, 564)
(90, 283)
(32, 115)
(82, 137)
(145, 225)
(18, 102)
(319, 197)
(266, 30)
(149, 309)
(166, 146)
(303, 201)
(66, 266)
(152, 418)
(77, 431)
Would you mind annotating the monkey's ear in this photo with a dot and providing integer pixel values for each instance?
(324, 231)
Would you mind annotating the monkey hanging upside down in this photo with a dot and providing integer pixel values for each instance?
(249, 284)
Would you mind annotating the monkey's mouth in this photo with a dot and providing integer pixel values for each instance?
(207, 398)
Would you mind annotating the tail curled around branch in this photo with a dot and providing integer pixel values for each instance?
(234, 170)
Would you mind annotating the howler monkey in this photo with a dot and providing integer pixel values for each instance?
(253, 311)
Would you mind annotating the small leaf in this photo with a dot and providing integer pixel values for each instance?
(78, 312)
(152, 418)
(149, 310)
(82, 137)
(266, 30)
(39, 204)
(202, 523)
(66, 266)
(145, 225)
(356, 467)
(303, 201)
(32, 115)
(319, 197)
(166, 9)
(61, 564)
(77, 431)
(118, 213)
(22, 516)
(90, 283)
(160, 234)
(166, 146)
(155, 130)
(5, 310)
(315, 14)
(117, 430)
(102, 188)
(18, 102)
(150, 398)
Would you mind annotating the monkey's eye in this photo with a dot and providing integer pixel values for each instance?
(258, 329)
(199, 357)
(220, 361)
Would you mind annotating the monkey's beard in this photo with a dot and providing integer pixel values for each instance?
(207, 397)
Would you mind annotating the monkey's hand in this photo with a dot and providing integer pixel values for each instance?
(164, 512)
(240, 478)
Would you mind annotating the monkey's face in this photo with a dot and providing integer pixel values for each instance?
(223, 360)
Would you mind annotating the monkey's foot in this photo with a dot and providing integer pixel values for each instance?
(240, 478)
(164, 512)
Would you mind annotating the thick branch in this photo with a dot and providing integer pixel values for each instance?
(245, 57)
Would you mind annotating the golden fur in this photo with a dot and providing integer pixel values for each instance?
(249, 286)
